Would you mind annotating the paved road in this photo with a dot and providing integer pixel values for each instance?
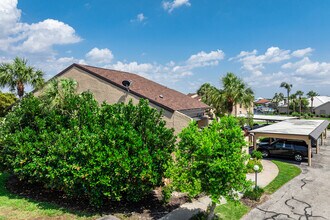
(307, 197)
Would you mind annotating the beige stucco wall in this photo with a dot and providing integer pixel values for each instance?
(323, 109)
(242, 110)
(104, 91)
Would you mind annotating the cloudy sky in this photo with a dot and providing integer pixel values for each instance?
(178, 43)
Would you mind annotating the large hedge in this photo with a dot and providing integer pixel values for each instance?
(108, 152)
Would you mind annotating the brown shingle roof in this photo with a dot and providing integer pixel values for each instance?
(144, 88)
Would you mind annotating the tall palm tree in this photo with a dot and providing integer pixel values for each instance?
(234, 91)
(311, 94)
(17, 74)
(288, 87)
(299, 93)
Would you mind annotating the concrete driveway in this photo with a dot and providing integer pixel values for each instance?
(305, 197)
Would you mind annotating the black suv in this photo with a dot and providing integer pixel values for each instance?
(285, 148)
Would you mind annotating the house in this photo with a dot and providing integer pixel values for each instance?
(321, 105)
(263, 105)
(115, 86)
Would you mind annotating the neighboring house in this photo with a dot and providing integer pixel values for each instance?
(263, 106)
(262, 102)
(321, 105)
(109, 85)
(241, 110)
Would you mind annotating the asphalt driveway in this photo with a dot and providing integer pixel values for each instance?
(305, 197)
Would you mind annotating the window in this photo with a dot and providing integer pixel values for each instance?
(288, 146)
(279, 145)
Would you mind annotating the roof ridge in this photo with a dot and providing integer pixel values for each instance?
(146, 88)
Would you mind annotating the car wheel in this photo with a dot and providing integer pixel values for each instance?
(265, 153)
(298, 157)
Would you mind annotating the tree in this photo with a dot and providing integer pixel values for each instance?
(300, 93)
(17, 74)
(288, 87)
(6, 100)
(278, 97)
(311, 94)
(234, 91)
(212, 96)
(293, 99)
(58, 91)
(210, 161)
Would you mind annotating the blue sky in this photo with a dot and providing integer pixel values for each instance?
(178, 43)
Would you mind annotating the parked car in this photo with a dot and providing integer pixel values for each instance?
(297, 150)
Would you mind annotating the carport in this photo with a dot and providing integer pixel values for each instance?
(295, 129)
(273, 118)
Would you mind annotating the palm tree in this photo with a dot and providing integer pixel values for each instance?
(293, 99)
(17, 74)
(288, 87)
(278, 97)
(234, 91)
(299, 93)
(311, 94)
(212, 96)
(57, 91)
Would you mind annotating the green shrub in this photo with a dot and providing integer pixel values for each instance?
(254, 194)
(256, 154)
(108, 152)
(306, 116)
(323, 116)
(250, 165)
(295, 114)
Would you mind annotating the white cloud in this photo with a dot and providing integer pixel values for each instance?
(306, 67)
(139, 18)
(255, 63)
(302, 52)
(201, 59)
(171, 5)
(16, 36)
(206, 59)
(97, 55)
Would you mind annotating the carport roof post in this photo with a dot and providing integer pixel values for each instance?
(293, 129)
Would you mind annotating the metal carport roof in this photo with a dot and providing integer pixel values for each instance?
(293, 129)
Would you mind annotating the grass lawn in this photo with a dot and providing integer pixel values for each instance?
(231, 211)
(16, 207)
(286, 173)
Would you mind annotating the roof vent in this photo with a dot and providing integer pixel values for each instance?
(127, 84)
(161, 96)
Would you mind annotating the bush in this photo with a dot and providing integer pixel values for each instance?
(323, 116)
(256, 155)
(108, 152)
(295, 114)
(306, 116)
(254, 194)
(250, 165)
